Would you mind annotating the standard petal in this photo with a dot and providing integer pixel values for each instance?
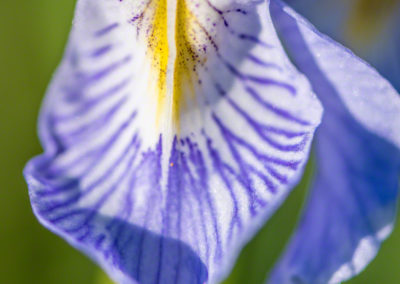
(167, 145)
(352, 204)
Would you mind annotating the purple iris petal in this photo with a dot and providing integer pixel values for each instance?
(352, 204)
(148, 202)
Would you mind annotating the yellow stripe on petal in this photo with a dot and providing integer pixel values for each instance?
(177, 35)
(190, 52)
(159, 53)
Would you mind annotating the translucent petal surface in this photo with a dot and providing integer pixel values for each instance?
(351, 207)
(170, 135)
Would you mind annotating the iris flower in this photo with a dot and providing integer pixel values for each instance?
(173, 129)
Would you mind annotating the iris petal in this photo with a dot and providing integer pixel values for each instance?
(352, 204)
(167, 146)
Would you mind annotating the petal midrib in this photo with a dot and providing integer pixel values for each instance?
(175, 47)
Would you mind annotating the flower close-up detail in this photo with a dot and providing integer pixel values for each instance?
(173, 130)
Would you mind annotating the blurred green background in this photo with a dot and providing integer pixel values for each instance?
(32, 37)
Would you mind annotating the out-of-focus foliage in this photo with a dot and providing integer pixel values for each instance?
(369, 27)
(32, 38)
